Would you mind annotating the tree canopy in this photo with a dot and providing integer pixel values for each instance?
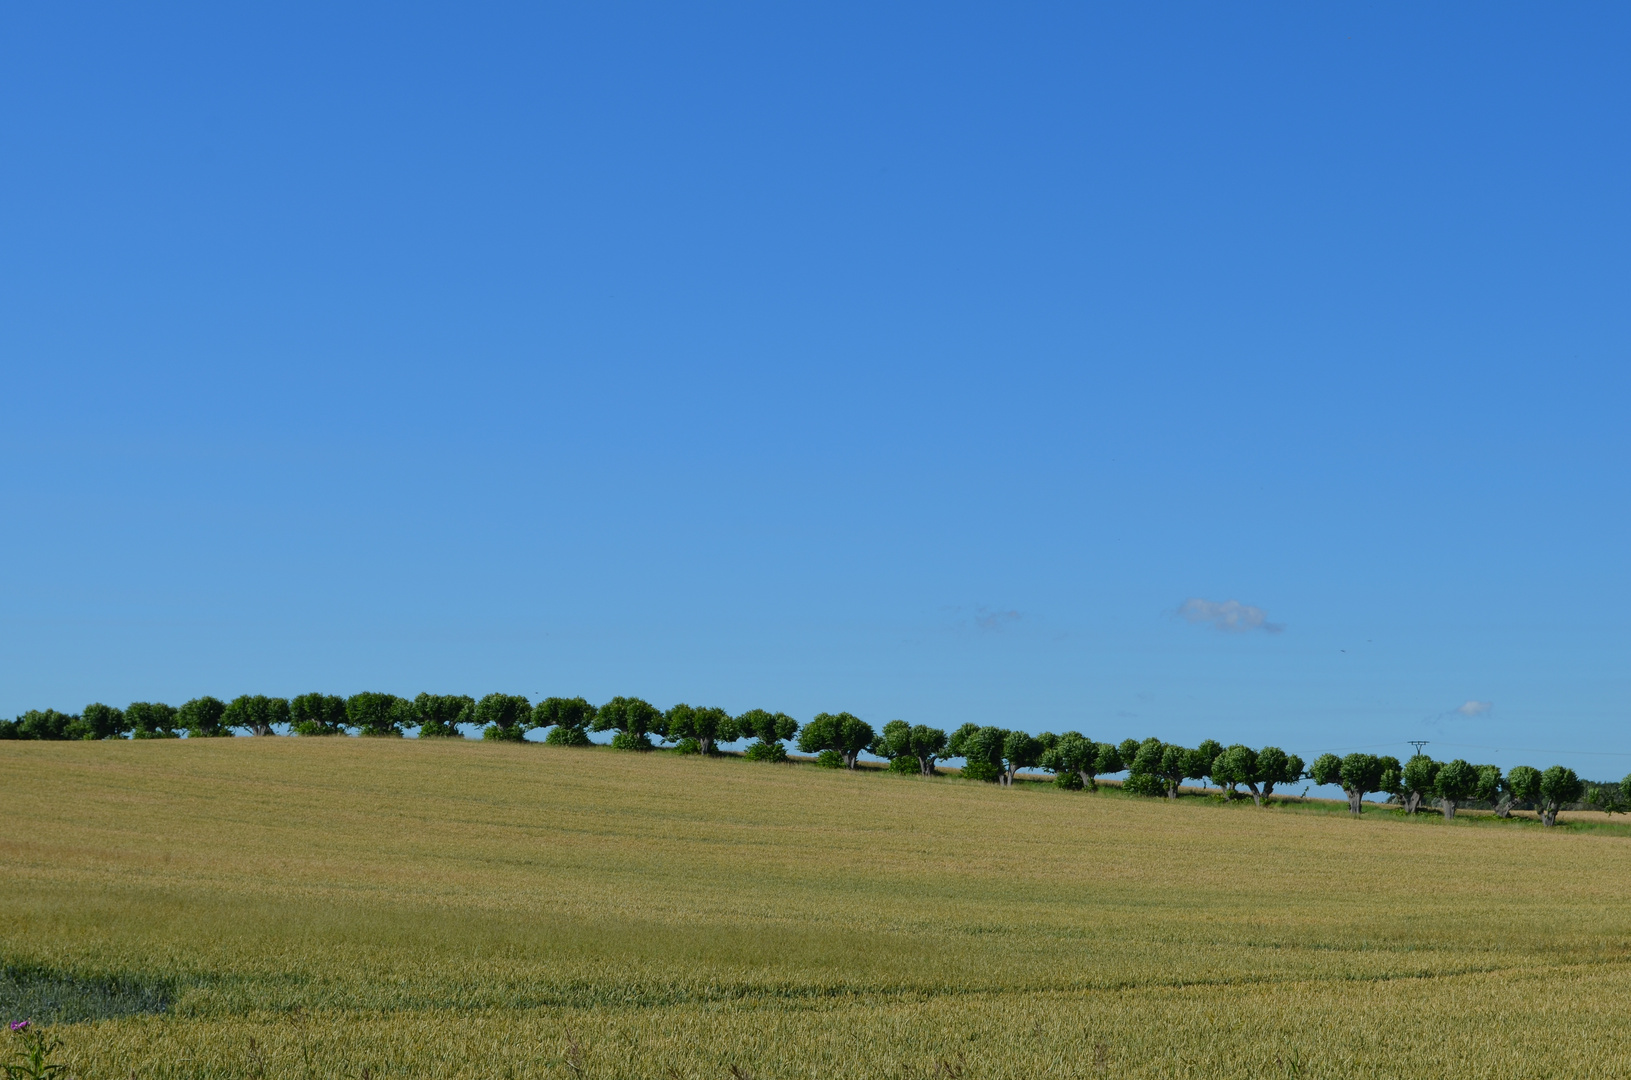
(438, 716)
(768, 730)
(981, 748)
(1558, 788)
(99, 721)
(256, 714)
(1020, 750)
(1358, 775)
(151, 720)
(567, 719)
(318, 714)
(839, 733)
(378, 715)
(1456, 783)
(1077, 761)
(703, 726)
(503, 717)
(201, 718)
(1418, 780)
(633, 719)
(910, 748)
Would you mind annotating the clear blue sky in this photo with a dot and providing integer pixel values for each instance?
(920, 362)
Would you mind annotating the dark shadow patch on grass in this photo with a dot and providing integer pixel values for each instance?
(29, 992)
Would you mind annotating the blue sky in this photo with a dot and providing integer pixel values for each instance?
(920, 362)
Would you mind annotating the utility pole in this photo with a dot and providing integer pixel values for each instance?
(1417, 743)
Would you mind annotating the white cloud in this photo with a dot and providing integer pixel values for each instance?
(1475, 708)
(1229, 616)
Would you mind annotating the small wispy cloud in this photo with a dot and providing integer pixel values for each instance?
(986, 619)
(1474, 708)
(1228, 616)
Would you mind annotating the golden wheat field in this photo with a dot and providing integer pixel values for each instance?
(371, 908)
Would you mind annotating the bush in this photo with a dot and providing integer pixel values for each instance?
(905, 765)
(830, 759)
(627, 740)
(766, 751)
(566, 736)
(1069, 780)
(494, 733)
(1144, 784)
(688, 745)
(981, 770)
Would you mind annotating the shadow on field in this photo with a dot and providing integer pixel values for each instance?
(56, 997)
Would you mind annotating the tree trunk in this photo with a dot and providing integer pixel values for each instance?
(1356, 801)
(1257, 799)
(1504, 807)
(1412, 802)
(707, 742)
(849, 758)
(1007, 778)
(925, 765)
(1089, 780)
(1448, 806)
(1548, 817)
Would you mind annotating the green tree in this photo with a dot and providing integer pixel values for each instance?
(1077, 761)
(256, 714)
(200, 718)
(378, 715)
(1159, 768)
(1392, 779)
(567, 719)
(981, 750)
(1020, 750)
(1275, 766)
(1491, 785)
(47, 724)
(438, 716)
(1144, 766)
(1523, 784)
(503, 717)
(1456, 783)
(1201, 758)
(634, 719)
(910, 748)
(1357, 774)
(841, 733)
(1503, 790)
(1236, 766)
(768, 729)
(151, 720)
(1418, 781)
(100, 721)
(1606, 798)
(704, 725)
(1559, 787)
(318, 714)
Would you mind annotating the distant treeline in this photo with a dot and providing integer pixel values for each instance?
(990, 753)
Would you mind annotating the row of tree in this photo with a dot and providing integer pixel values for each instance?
(1454, 784)
(1152, 767)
